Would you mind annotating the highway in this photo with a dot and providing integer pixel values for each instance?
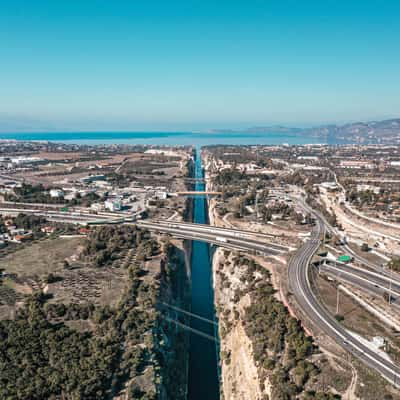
(379, 279)
(381, 269)
(198, 227)
(69, 217)
(378, 268)
(375, 267)
(368, 283)
(228, 238)
(220, 236)
(226, 232)
(255, 243)
(299, 283)
(362, 260)
(79, 217)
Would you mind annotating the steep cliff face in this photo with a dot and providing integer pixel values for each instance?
(265, 353)
(239, 373)
(172, 341)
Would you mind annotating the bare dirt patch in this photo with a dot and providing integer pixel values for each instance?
(41, 257)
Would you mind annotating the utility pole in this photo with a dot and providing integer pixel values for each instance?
(257, 209)
(390, 284)
(337, 299)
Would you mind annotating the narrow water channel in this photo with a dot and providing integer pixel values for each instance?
(203, 375)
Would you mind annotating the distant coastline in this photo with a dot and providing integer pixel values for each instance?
(167, 138)
(373, 132)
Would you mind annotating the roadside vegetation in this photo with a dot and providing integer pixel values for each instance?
(39, 194)
(283, 353)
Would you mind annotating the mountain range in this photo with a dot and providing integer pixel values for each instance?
(387, 131)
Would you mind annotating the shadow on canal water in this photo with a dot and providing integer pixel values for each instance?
(203, 371)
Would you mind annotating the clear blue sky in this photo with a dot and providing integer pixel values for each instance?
(142, 64)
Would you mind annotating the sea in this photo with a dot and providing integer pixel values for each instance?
(166, 138)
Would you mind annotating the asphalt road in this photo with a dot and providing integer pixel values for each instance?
(365, 284)
(221, 237)
(375, 267)
(231, 231)
(299, 283)
(362, 260)
(357, 275)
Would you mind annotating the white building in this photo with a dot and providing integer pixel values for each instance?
(25, 160)
(113, 204)
(56, 193)
(378, 341)
(364, 187)
(161, 195)
(357, 164)
(71, 195)
(329, 185)
(309, 158)
(97, 207)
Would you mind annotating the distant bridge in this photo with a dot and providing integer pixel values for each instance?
(197, 193)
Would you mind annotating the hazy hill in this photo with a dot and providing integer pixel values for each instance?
(387, 131)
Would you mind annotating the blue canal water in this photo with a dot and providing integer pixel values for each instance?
(203, 370)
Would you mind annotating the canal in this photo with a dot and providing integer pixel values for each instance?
(203, 373)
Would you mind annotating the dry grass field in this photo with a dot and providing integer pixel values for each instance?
(40, 258)
(28, 268)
